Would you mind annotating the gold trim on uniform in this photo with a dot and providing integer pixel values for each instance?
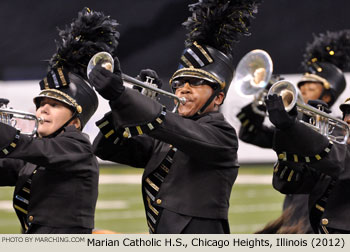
(319, 207)
(199, 73)
(103, 124)
(150, 126)
(290, 176)
(245, 123)
(25, 189)
(150, 226)
(61, 96)
(20, 209)
(60, 73)
(313, 78)
(295, 158)
(183, 58)
(325, 230)
(152, 184)
(206, 55)
(155, 211)
(109, 133)
(46, 84)
(139, 130)
(241, 116)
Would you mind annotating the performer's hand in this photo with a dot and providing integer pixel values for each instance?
(108, 85)
(278, 115)
(151, 77)
(3, 101)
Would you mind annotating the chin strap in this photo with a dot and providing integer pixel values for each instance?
(211, 98)
(64, 125)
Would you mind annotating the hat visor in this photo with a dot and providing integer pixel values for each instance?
(196, 73)
(52, 94)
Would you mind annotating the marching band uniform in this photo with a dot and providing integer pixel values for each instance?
(317, 170)
(63, 175)
(190, 161)
(321, 68)
(55, 177)
(195, 182)
(56, 174)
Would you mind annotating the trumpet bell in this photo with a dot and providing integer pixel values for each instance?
(289, 93)
(253, 72)
(104, 58)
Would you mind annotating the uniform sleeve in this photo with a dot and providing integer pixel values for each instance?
(301, 144)
(9, 170)
(262, 136)
(211, 140)
(59, 152)
(292, 178)
(252, 130)
(108, 145)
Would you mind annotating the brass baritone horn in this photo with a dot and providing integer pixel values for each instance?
(107, 62)
(9, 116)
(253, 73)
(319, 120)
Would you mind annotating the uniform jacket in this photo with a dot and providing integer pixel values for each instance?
(310, 163)
(64, 187)
(252, 129)
(204, 167)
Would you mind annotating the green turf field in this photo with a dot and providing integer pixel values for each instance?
(120, 207)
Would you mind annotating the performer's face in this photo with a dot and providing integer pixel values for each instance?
(196, 96)
(311, 91)
(54, 114)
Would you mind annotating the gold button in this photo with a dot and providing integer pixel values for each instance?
(324, 221)
(159, 201)
(125, 134)
(31, 218)
(281, 156)
(79, 109)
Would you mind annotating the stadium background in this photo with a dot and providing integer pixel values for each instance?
(152, 37)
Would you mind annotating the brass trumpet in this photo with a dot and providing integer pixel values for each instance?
(9, 116)
(319, 120)
(107, 62)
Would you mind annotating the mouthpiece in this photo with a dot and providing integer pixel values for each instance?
(40, 120)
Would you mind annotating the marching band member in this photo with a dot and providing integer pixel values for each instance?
(322, 83)
(56, 174)
(309, 163)
(190, 158)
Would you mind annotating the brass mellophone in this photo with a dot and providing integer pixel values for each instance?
(107, 62)
(253, 73)
(9, 116)
(319, 121)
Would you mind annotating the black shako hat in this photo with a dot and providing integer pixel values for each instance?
(91, 32)
(325, 60)
(71, 89)
(214, 28)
